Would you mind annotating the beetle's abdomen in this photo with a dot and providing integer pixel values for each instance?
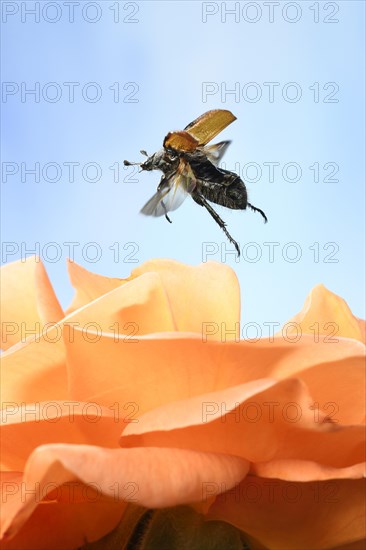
(231, 192)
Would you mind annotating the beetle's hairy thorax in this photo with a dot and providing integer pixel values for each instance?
(215, 184)
(164, 160)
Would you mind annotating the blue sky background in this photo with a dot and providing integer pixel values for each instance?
(168, 52)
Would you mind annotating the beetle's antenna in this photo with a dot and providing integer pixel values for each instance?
(255, 209)
(128, 163)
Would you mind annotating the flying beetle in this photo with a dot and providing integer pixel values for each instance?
(190, 167)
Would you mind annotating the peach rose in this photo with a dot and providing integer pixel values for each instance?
(141, 395)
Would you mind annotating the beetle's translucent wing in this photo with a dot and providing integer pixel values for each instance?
(215, 152)
(171, 192)
(208, 125)
(163, 202)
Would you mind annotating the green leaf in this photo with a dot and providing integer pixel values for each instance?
(179, 528)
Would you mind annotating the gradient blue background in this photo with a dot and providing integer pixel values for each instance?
(169, 52)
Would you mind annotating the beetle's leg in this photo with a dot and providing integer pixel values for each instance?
(258, 210)
(166, 212)
(199, 199)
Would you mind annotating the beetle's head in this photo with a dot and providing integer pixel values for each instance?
(152, 163)
(160, 160)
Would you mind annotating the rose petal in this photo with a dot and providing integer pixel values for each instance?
(10, 484)
(126, 474)
(326, 313)
(48, 306)
(358, 545)
(183, 285)
(138, 307)
(144, 370)
(28, 300)
(35, 370)
(89, 286)
(76, 517)
(260, 421)
(66, 524)
(288, 516)
(207, 293)
(24, 428)
(302, 470)
(160, 368)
